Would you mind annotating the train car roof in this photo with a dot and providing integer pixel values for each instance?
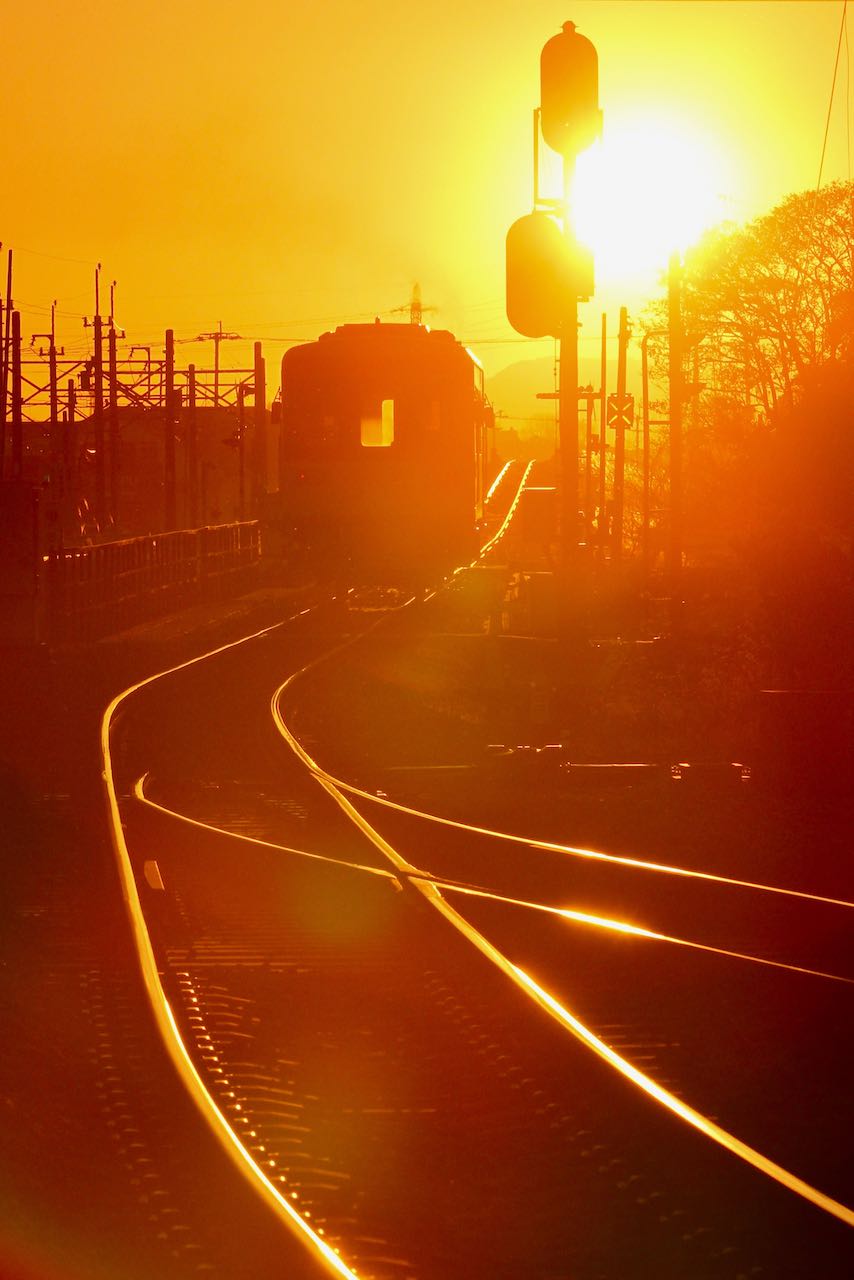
(382, 334)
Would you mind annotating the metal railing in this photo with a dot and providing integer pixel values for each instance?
(90, 592)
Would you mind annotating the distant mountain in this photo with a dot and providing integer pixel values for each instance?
(513, 391)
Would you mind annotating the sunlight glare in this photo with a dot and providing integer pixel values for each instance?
(648, 188)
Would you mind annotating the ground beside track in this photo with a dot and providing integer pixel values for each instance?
(105, 1169)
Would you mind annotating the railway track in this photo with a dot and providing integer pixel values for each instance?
(381, 1021)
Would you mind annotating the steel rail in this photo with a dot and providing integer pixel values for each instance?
(164, 1018)
(431, 892)
(637, 864)
(569, 914)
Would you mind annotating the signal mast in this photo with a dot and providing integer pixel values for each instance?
(549, 273)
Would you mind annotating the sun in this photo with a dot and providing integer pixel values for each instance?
(648, 188)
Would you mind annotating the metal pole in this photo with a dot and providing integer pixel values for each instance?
(674, 310)
(2, 384)
(170, 503)
(259, 451)
(17, 402)
(4, 375)
(568, 404)
(114, 423)
(588, 468)
(56, 456)
(645, 410)
(69, 461)
(603, 434)
(241, 453)
(620, 442)
(192, 448)
(98, 411)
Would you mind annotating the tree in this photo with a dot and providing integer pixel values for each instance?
(773, 300)
(773, 305)
(768, 442)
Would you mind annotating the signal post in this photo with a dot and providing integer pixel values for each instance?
(548, 272)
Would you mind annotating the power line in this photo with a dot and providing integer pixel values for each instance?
(36, 253)
(847, 98)
(832, 91)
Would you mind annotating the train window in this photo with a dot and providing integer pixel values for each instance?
(378, 429)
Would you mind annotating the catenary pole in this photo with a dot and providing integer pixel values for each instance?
(677, 395)
(620, 438)
(568, 402)
(169, 495)
(17, 401)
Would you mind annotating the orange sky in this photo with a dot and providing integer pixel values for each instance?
(286, 166)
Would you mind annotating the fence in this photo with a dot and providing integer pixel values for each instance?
(90, 592)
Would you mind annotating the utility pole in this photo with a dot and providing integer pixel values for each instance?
(645, 412)
(603, 435)
(568, 403)
(69, 455)
(98, 405)
(647, 442)
(241, 453)
(17, 404)
(3, 315)
(115, 445)
(57, 467)
(674, 312)
(620, 441)
(259, 451)
(216, 338)
(169, 495)
(589, 396)
(114, 422)
(6, 336)
(192, 449)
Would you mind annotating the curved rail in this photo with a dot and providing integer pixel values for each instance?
(158, 1001)
(569, 914)
(246, 1165)
(596, 855)
(431, 892)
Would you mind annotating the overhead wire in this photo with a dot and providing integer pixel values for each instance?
(847, 97)
(842, 29)
(57, 257)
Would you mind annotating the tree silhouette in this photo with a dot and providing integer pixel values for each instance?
(773, 301)
(768, 439)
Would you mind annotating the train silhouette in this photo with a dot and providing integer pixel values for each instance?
(382, 451)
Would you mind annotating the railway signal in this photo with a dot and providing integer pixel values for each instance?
(621, 412)
(569, 92)
(548, 272)
(544, 271)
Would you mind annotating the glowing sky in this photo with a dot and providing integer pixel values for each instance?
(285, 166)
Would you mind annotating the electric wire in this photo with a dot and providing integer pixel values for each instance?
(832, 91)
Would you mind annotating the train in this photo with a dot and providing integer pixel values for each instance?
(383, 432)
